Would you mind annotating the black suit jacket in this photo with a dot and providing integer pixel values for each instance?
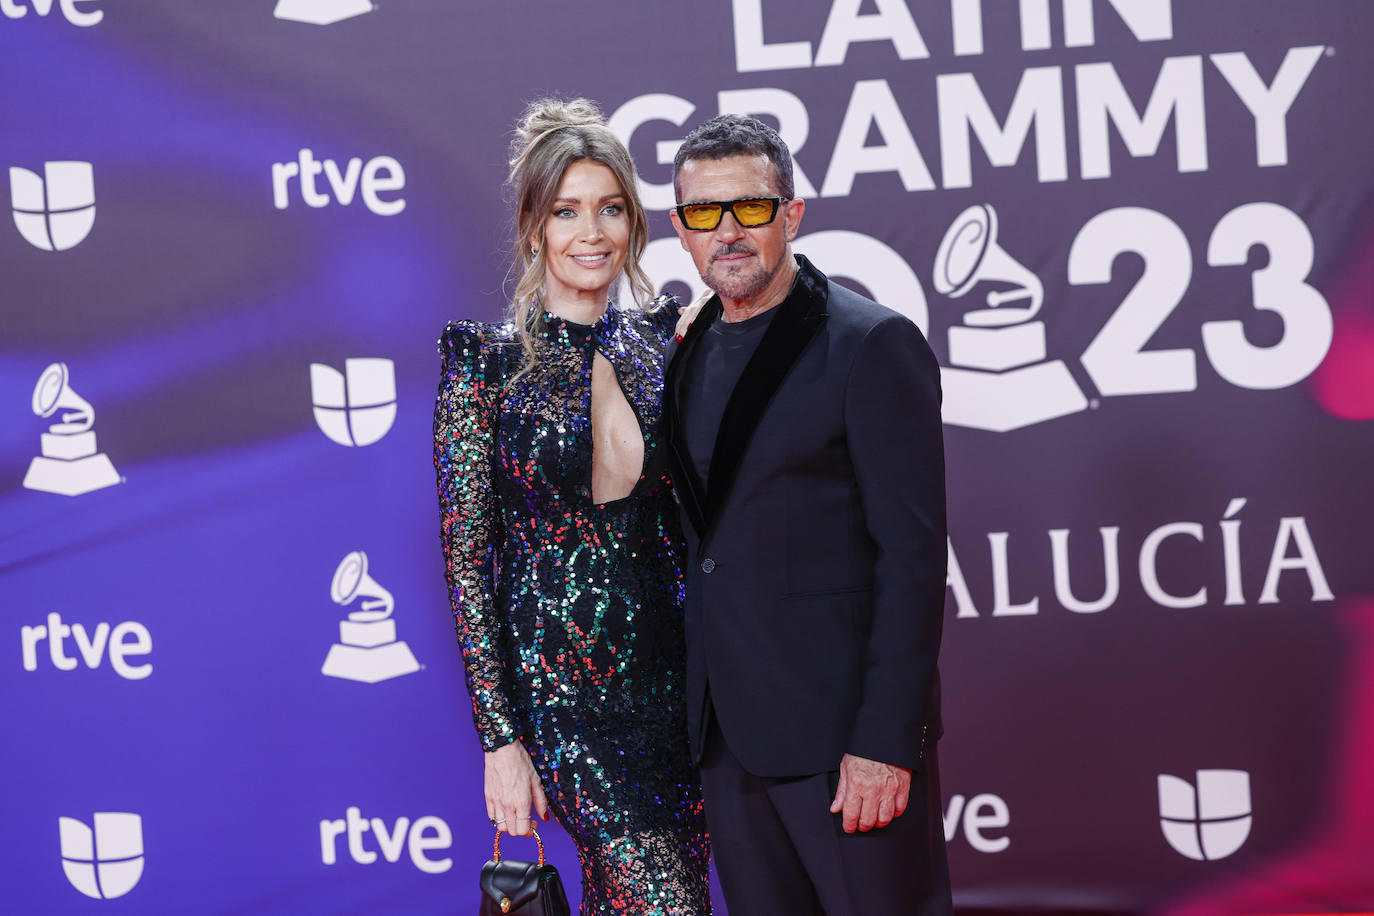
(816, 560)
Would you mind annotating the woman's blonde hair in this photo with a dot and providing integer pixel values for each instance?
(552, 135)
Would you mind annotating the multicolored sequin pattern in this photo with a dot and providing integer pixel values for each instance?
(568, 611)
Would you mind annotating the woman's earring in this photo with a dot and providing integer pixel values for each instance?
(534, 252)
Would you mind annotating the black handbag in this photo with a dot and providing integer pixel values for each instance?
(511, 888)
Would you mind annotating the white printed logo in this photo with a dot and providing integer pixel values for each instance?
(356, 406)
(367, 649)
(1210, 822)
(999, 379)
(106, 862)
(417, 838)
(368, 180)
(15, 9)
(321, 12)
(981, 814)
(126, 639)
(56, 211)
(997, 382)
(70, 463)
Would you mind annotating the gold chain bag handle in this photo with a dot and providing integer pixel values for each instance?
(496, 846)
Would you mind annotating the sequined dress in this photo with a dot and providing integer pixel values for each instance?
(568, 612)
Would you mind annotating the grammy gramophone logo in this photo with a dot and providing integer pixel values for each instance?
(367, 649)
(70, 464)
(999, 378)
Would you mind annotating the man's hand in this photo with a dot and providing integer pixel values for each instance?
(871, 794)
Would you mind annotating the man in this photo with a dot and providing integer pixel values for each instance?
(804, 426)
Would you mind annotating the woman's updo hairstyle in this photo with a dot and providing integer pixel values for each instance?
(552, 135)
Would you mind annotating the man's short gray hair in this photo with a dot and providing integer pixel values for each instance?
(736, 135)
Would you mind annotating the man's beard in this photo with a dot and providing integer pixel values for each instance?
(740, 283)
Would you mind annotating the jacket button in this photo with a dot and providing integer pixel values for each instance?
(708, 565)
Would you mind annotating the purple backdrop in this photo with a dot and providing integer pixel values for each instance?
(1138, 234)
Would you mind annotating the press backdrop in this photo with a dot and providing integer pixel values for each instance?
(1137, 233)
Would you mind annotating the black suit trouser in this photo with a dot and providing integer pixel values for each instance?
(780, 852)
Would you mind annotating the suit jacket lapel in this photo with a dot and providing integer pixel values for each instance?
(799, 317)
(684, 472)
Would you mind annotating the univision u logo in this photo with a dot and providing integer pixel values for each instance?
(106, 861)
(54, 211)
(356, 406)
(1209, 822)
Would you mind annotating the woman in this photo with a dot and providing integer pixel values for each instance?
(560, 532)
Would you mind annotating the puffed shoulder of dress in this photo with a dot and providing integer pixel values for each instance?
(465, 340)
(666, 306)
(662, 314)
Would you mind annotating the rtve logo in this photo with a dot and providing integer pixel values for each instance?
(981, 813)
(125, 640)
(16, 9)
(1209, 822)
(425, 834)
(356, 406)
(105, 862)
(56, 211)
(320, 12)
(379, 174)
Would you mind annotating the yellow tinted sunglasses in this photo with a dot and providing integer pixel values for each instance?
(749, 212)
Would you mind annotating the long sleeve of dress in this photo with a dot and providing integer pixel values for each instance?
(463, 432)
(663, 314)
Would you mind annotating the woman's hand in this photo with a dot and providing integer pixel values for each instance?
(689, 314)
(512, 786)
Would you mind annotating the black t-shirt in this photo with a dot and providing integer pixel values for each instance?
(712, 372)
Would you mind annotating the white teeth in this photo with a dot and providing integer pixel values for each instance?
(589, 258)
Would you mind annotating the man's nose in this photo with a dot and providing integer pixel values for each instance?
(729, 229)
